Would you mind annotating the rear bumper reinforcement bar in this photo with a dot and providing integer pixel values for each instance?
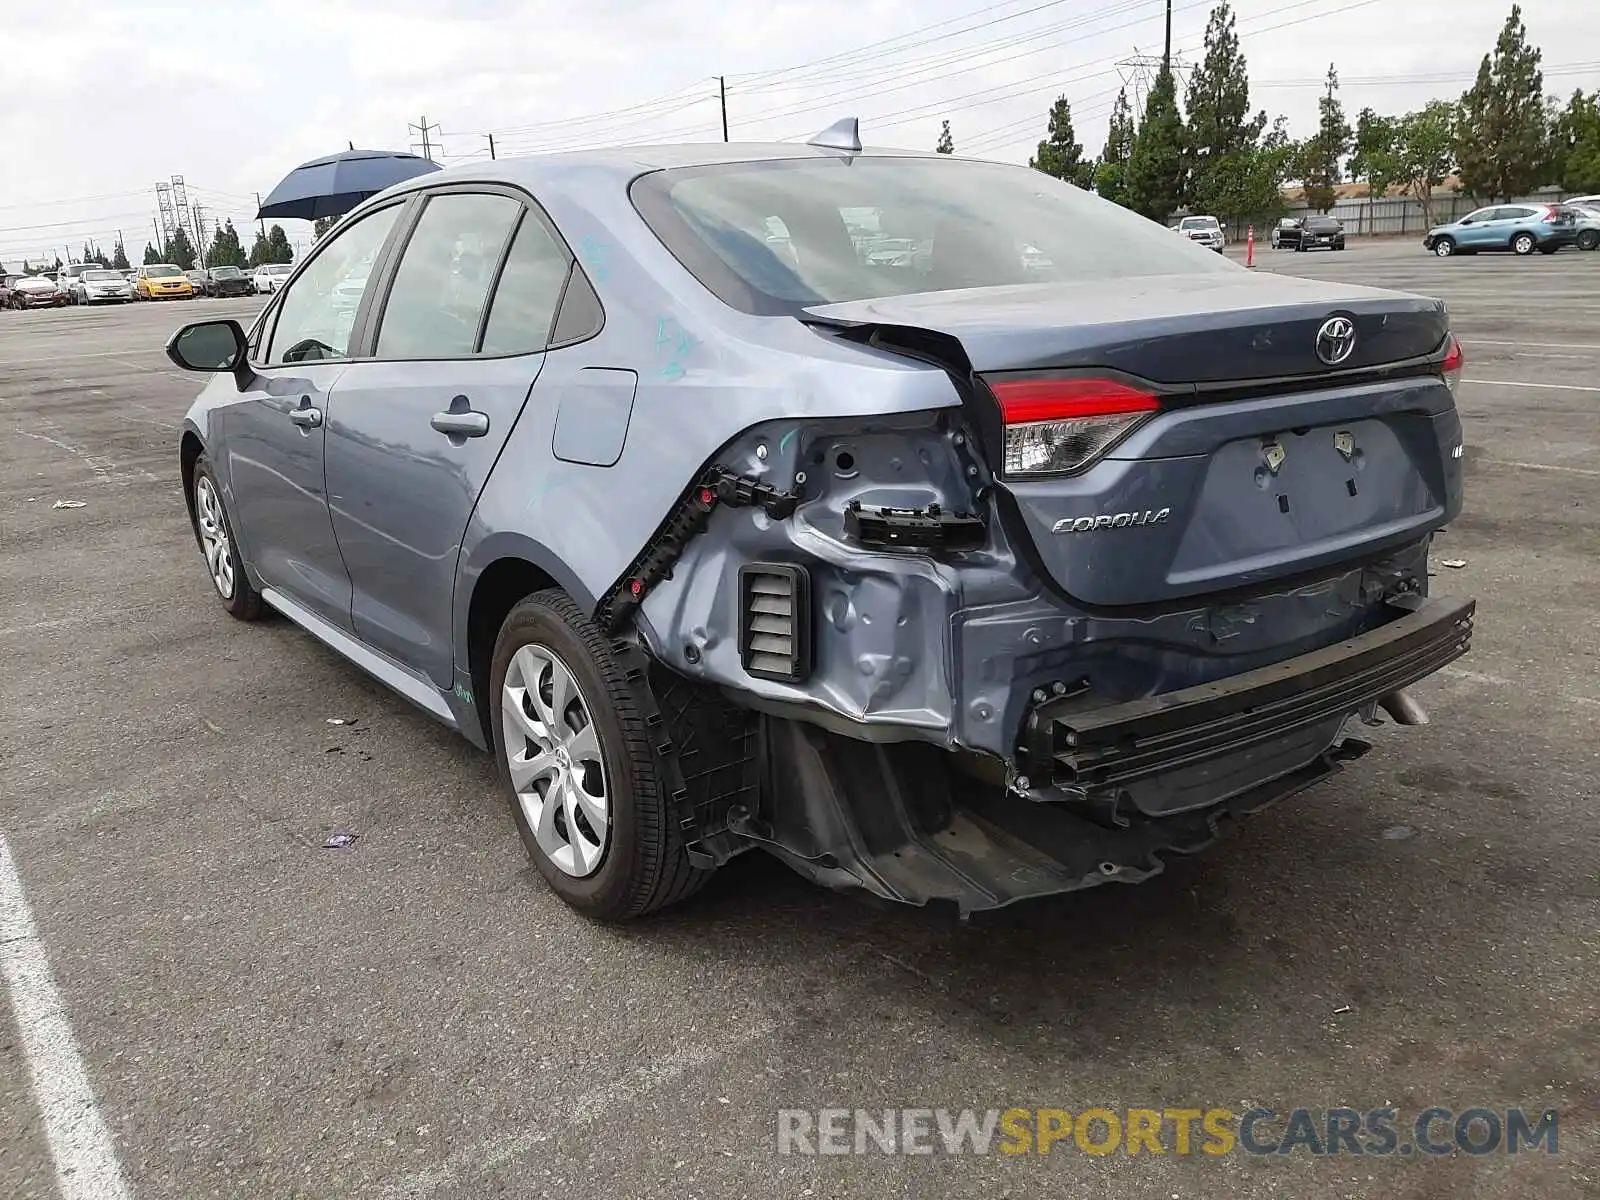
(1102, 750)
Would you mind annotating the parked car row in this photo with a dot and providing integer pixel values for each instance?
(89, 283)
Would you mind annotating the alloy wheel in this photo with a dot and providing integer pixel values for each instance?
(553, 756)
(214, 542)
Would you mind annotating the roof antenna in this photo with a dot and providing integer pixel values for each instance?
(841, 135)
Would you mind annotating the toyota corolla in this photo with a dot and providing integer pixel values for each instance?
(1005, 568)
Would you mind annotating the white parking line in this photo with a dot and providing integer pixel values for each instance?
(1558, 387)
(80, 1143)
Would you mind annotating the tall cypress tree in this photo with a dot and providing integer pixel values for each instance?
(1155, 168)
(1503, 143)
(1061, 154)
(1220, 126)
(1111, 171)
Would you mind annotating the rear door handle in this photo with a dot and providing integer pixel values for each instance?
(460, 420)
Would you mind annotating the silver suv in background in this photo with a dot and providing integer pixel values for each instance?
(1205, 230)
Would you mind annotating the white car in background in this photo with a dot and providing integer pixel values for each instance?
(99, 284)
(269, 277)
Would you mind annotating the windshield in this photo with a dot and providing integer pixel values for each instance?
(224, 272)
(102, 277)
(279, 269)
(161, 272)
(1198, 223)
(872, 226)
(1321, 224)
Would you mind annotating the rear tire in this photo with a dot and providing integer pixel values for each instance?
(1444, 247)
(592, 762)
(1589, 239)
(1523, 244)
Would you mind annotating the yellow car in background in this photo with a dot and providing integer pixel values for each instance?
(162, 281)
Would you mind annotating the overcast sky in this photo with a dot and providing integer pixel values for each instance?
(106, 97)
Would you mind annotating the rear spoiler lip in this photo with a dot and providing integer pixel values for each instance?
(951, 356)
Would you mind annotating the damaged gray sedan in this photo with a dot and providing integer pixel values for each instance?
(1007, 563)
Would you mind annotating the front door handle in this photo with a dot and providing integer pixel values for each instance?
(460, 420)
(305, 416)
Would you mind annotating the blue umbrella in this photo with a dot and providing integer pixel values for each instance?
(332, 186)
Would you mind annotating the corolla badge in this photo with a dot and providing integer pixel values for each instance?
(1336, 340)
(1122, 520)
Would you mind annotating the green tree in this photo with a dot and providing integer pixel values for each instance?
(226, 250)
(1323, 152)
(946, 143)
(259, 251)
(151, 254)
(321, 226)
(119, 257)
(1061, 154)
(1248, 185)
(179, 250)
(1111, 171)
(1155, 168)
(278, 245)
(1577, 143)
(1502, 142)
(1425, 143)
(1374, 158)
(1220, 127)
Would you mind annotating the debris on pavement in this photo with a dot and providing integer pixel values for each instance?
(1342, 1009)
(342, 720)
(70, 504)
(1454, 564)
(1398, 833)
(339, 841)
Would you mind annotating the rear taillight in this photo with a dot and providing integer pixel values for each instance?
(1451, 367)
(1057, 426)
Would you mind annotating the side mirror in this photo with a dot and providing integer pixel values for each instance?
(212, 346)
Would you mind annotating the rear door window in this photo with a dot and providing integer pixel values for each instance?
(528, 292)
(441, 288)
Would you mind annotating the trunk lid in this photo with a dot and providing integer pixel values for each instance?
(1263, 460)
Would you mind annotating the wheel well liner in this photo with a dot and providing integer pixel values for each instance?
(497, 591)
(189, 452)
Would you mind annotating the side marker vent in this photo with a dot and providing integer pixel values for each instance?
(775, 621)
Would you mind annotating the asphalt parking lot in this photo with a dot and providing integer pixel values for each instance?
(416, 1016)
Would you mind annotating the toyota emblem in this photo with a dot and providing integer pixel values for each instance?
(1336, 340)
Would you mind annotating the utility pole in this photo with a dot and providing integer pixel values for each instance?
(491, 144)
(1166, 53)
(422, 129)
(722, 94)
(154, 225)
(260, 221)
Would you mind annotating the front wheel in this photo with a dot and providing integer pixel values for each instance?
(1589, 239)
(219, 549)
(584, 776)
(1523, 244)
(1444, 247)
